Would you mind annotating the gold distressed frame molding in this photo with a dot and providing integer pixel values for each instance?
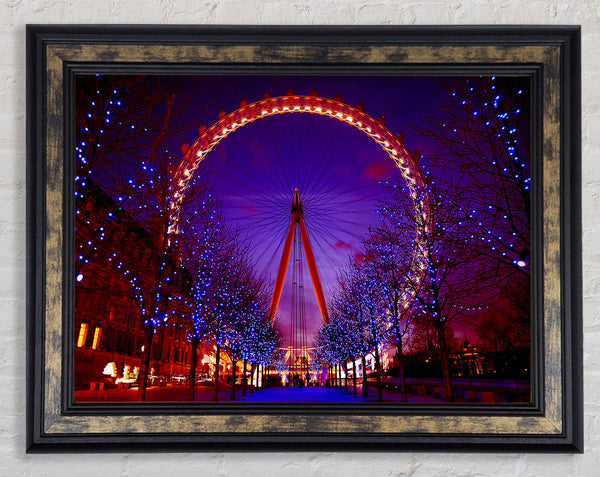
(550, 55)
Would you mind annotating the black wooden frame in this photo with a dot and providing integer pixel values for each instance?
(549, 54)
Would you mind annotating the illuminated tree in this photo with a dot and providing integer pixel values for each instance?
(454, 279)
(322, 355)
(123, 125)
(126, 135)
(362, 319)
(260, 336)
(272, 341)
(331, 339)
(234, 306)
(221, 316)
(249, 337)
(372, 320)
(483, 136)
(264, 346)
(205, 247)
(390, 257)
(279, 361)
(247, 319)
(318, 357)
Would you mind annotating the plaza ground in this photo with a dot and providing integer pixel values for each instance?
(175, 393)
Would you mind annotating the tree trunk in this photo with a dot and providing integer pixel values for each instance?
(335, 376)
(354, 376)
(378, 370)
(261, 382)
(234, 372)
(403, 392)
(193, 364)
(448, 396)
(346, 375)
(217, 359)
(244, 379)
(145, 364)
(252, 365)
(365, 384)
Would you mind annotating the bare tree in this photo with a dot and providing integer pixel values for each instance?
(482, 134)
(453, 276)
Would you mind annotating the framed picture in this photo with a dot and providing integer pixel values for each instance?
(304, 238)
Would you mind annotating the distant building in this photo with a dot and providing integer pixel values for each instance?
(468, 361)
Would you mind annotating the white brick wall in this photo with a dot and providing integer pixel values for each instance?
(14, 14)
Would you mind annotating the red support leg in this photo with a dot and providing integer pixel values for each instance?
(285, 257)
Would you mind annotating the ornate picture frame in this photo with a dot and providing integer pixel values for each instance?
(548, 55)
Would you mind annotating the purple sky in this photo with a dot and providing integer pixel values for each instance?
(335, 166)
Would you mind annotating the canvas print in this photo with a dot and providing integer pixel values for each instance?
(328, 239)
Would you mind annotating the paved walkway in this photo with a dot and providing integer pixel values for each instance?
(295, 394)
(324, 394)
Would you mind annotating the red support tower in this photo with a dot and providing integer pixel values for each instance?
(297, 214)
